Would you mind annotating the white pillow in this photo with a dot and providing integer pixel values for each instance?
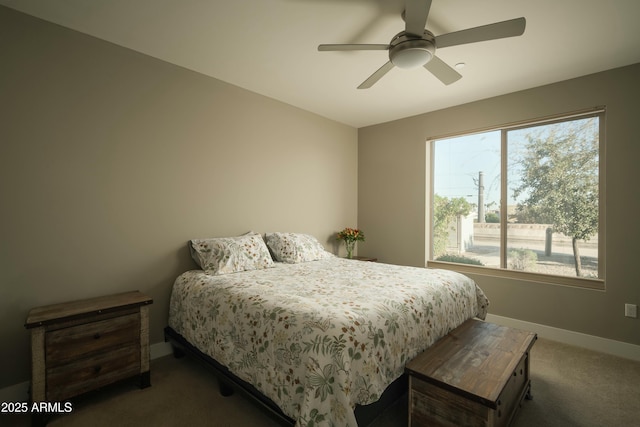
(294, 248)
(223, 255)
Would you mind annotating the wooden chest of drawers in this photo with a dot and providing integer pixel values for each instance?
(477, 375)
(83, 345)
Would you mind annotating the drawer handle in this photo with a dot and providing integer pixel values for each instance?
(97, 369)
(97, 335)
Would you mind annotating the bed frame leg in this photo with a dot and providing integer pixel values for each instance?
(178, 353)
(225, 389)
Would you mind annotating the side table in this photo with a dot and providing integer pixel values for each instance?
(82, 345)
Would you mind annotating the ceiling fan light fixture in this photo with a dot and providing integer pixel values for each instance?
(415, 46)
(411, 53)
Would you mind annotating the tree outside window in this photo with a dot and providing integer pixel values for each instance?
(532, 193)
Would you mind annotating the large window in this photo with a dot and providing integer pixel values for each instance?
(524, 199)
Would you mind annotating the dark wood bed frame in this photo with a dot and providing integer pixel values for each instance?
(228, 382)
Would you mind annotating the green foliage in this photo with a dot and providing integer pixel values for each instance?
(522, 259)
(492, 217)
(560, 179)
(445, 210)
(460, 259)
(532, 215)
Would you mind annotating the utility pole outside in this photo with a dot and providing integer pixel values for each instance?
(481, 196)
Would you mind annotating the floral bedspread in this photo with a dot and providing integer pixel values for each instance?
(320, 337)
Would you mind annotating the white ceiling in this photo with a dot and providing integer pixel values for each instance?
(270, 46)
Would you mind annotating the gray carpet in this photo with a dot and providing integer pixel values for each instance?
(571, 387)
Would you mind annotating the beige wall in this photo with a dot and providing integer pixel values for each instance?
(111, 160)
(392, 198)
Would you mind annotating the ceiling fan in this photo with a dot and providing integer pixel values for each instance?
(416, 46)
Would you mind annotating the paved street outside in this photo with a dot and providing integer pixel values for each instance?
(560, 262)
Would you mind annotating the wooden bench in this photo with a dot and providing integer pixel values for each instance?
(477, 375)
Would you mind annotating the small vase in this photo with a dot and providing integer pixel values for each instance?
(350, 246)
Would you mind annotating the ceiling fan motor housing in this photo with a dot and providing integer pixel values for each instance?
(408, 51)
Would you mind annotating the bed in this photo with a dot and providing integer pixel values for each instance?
(316, 334)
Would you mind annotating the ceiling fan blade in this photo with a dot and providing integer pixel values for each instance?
(499, 30)
(337, 47)
(373, 78)
(442, 71)
(415, 16)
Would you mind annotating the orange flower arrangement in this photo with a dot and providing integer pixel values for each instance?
(350, 237)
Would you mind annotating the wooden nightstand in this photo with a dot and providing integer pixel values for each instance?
(83, 345)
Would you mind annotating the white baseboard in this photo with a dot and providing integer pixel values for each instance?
(15, 393)
(20, 392)
(160, 349)
(591, 342)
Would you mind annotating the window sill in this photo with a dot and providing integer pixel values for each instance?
(577, 282)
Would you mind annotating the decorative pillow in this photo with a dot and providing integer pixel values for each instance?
(225, 255)
(294, 248)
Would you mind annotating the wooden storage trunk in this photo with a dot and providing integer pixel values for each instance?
(477, 375)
